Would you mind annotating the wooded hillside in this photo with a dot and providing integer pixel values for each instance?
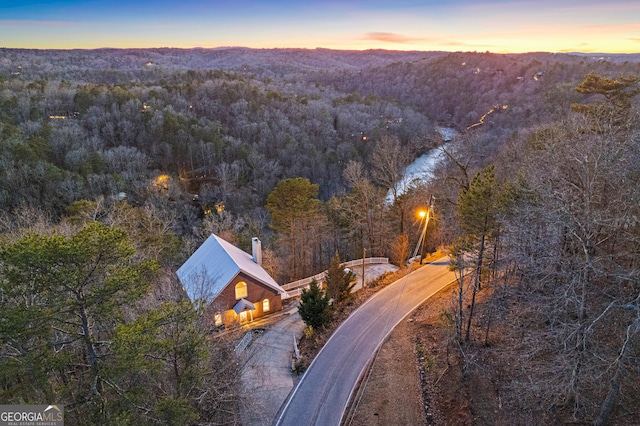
(537, 193)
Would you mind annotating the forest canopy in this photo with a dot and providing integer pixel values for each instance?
(143, 153)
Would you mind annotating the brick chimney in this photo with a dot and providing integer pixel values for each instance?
(256, 250)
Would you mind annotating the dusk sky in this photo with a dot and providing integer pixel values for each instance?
(499, 26)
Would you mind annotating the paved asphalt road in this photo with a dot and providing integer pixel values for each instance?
(323, 392)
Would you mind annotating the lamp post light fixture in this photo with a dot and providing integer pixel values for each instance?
(426, 216)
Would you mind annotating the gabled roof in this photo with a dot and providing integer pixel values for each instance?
(214, 264)
(244, 305)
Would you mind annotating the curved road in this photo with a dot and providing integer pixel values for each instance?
(324, 391)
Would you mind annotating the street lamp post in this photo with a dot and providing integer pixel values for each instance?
(426, 215)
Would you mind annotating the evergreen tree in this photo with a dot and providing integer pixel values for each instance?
(296, 216)
(477, 212)
(339, 282)
(314, 306)
(61, 300)
(164, 353)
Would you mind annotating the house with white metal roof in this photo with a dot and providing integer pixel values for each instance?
(231, 282)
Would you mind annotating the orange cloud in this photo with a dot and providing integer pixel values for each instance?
(390, 38)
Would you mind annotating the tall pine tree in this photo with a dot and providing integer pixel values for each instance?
(477, 213)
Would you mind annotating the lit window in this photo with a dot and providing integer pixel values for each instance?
(265, 305)
(217, 319)
(241, 290)
(243, 316)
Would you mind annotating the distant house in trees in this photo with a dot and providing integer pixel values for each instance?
(231, 282)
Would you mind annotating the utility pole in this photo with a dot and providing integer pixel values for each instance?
(423, 234)
(432, 200)
(364, 256)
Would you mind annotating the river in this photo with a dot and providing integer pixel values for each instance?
(421, 170)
